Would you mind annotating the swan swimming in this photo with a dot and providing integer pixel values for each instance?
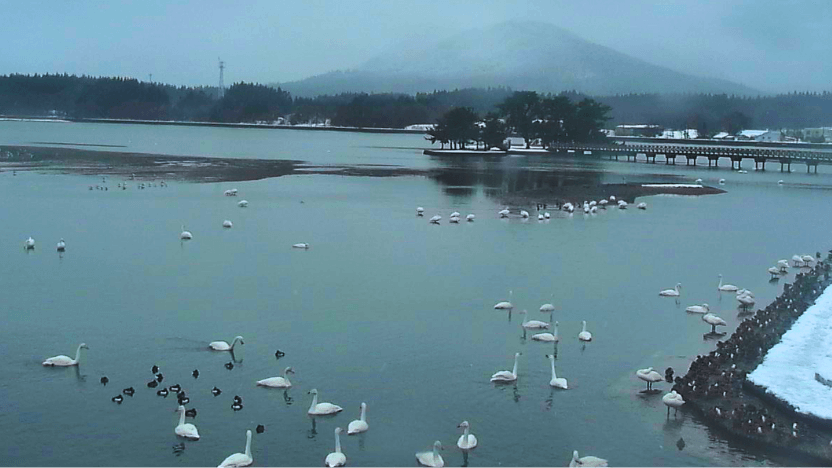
(278, 382)
(466, 441)
(185, 235)
(188, 430)
(549, 337)
(227, 224)
(642, 206)
(532, 324)
(29, 243)
(455, 214)
(675, 292)
(584, 335)
(301, 245)
(698, 309)
(506, 376)
(431, 458)
(435, 219)
(470, 217)
(64, 361)
(713, 321)
(673, 400)
(726, 287)
(336, 458)
(321, 408)
(61, 245)
(586, 461)
(242, 203)
(223, 346)
(556, 382)
(360, 424)
(454, 219)
(239, 459)
(547, 307)
(650, 376)
(420, 211)
(507, 305)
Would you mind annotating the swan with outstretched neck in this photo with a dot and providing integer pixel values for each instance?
(725, 287)
(505, 305)
(224, 346)
(239, 459)
(534, 324)
(321, 408)
(336, 458)
(556, 382)
(466, 441)
(360, 424)
(186, 430)
(278, 382)
(506, 376)
(584, 335)
(64, 361)
(431, 458)
(549, 337)
(675, 292)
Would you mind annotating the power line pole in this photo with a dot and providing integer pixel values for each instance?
(222, 86)
(150, 79)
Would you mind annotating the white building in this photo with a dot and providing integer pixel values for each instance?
(420, 127)
(760, 135)
(817, 133)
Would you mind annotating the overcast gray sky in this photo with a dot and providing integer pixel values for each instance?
(771, 45)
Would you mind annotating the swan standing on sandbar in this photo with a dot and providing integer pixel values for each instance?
(586, 461)
(64, 361)
(223, 346)
(783, 265)
(185, 235)
(650, 376)
(506, 376)
(532, 324)
(584, 335)
(61, 245)
(278, 382)
(504, 213)
(455, 214)
(797, 260)
(506, 305)
(466, 441)
(239, 459)
(321, 408)
(675, 292)
(435, 219)
(726, 287)
(642, 206)
(431, 458)
(698, 309)
(775, 272)
(336, 458)
(556, 382)
(549, 337)
(188, 430)
(713, 321)
(673, 400)
(360, 424)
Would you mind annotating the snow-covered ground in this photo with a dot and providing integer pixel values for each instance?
(788, 370)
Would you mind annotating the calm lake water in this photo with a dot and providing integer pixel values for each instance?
(383, 308)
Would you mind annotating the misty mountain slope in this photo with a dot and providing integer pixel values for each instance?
(521, 55)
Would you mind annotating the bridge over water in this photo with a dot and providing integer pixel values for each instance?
(691, 152)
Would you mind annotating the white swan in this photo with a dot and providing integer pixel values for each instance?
(642, 206)
(507, 305)
(675, 292)
(227, 224)
(61, 245)
(455, 214)
(336, 458)
(524, 213)
(745, 292)
(807, 259)
(420, 211)
(586, 461)
(547, 215)
(556, 382)
(713, 321)
(726, 287)
(223, 346)
(548, 307)
(466, 441)
(301, 245)
(775, 272)
(431, 458)
(783, 265)
(603, 203)
(435, 219)
(698, 309)
(549, 337)
(64, 361)
(321, 408)
(540, 216)
(746, 300)
(622, 205)
(360, 424)
(185, 235)
(242, 203)
(506, 376)
(698, 181)
(278, 382)
(721, 181)
(532, 324)
(797, 260)
(188, 430)
(504, 213)
(673, 400)
(454, 219)
(29, 243)
(470, 217)
(239, 459)
(584, 335)
(650, 376)
(612, 198)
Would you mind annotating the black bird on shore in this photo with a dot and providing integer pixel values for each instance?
(118, 399)
(163, 392)
(237, 399)
(191, 413)
(175, 388)
(229, 365)
(215, 391)
(195, 373)
(668, 375)
(680, 443)
(154, 369)
(279, 354)
(160, 377)
(104, 380)
(153, 384)
(260, 428)
(129, 391)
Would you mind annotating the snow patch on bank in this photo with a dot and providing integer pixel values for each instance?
(788, 370)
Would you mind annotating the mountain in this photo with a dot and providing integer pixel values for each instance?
(520, 55)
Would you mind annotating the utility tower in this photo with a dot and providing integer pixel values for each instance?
(222, 86)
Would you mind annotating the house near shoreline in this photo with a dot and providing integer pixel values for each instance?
(760, 135)
(639, 130)
(818, 133)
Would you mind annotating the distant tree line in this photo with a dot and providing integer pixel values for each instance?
(128, 98)
(548, 119)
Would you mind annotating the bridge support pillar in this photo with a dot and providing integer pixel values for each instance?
(785, 162)
(651, 155)
(715, 161)
(670, 159)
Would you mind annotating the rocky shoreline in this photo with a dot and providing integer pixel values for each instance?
(715, 387)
